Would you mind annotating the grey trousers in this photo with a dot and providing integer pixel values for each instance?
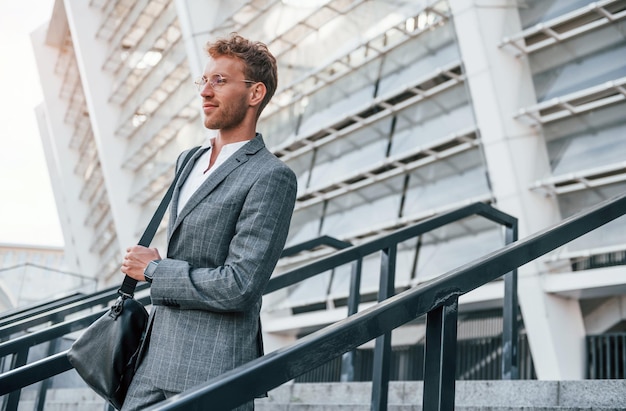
(142, 394)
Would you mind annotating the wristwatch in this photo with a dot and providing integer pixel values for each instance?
(150, 269)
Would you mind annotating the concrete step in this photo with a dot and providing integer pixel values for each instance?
(470, 396)
(63, 399)
(343, 407)
(597, 395)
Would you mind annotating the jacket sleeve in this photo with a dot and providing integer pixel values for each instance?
(260, 234)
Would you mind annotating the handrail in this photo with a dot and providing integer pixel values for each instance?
(55, 310)
(16, 313)
(10, 380)
(27, 320)
(58, 330)
(353, 253)
(314, 243)
(18, 344)
(55, 306)
(438, 299)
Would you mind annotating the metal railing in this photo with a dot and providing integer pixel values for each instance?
(17, 378)
(16, 325)
(55, 311)
(607, 356)
(438, 300)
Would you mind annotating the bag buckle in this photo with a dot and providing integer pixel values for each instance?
(117, 307)
(123, 294)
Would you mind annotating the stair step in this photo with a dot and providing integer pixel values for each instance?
(63, 399)
(527, 395)
(470, 396)
(362, 407)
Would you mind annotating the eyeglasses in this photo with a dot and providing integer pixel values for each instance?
(216, 82)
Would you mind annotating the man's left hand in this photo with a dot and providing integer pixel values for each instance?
(137, 259)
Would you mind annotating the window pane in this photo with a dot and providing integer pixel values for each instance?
(417, 58)
(333, 102)
(432, 119)
(607, 235)
(304, 225)
(591, 140)
(559, 71)
(350, 154)
(451, 180)
(364, 209)
(436, 258)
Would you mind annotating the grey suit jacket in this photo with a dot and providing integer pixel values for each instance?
(222, 248)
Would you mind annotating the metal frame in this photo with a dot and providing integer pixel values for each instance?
(577, 22)
(578, 102)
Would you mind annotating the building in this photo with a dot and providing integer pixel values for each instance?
(389, 112)
(22, 266)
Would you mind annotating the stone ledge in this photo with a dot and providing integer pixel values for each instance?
(500, 395)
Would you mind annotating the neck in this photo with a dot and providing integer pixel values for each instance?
(246, 131)
(221, 139)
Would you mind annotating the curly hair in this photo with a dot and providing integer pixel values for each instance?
(259, 63)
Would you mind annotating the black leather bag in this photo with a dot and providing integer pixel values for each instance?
(107, 354)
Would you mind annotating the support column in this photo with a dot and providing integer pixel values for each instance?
(91, 54)
(499, 85)
(55, 136)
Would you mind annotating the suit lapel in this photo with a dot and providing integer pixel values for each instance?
(236, 160)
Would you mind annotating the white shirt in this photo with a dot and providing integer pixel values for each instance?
(199, 173)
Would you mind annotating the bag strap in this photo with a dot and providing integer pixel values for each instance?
(128, 286)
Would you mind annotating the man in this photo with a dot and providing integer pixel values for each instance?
(229, 220)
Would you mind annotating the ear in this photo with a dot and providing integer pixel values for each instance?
(257, 93)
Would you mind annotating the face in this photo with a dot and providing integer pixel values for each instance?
(226, 106)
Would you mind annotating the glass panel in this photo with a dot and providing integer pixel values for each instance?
(350, 154)
(431, 120)
(310, 291)
(450, 180)
(436, 258)
(363, 209)
(304, 225)
(301, 165)
(536, 11)
(591, 140)
(558, 71)
(405, 263)
(607, 235)
(417, 58)
(279, 127)
(340, 287)
(333, 102)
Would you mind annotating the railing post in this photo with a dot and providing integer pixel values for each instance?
(510, 352)
(45, 384)
(19, 359)
(382, 350)
(440, 357)
(354, 299)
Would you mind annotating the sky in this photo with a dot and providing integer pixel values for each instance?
(28, 213)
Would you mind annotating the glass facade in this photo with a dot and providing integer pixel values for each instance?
(579, 80)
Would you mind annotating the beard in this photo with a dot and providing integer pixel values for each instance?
(227, 116)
